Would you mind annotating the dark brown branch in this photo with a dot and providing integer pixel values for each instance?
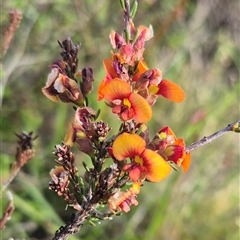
(210, 138)
(75, 223)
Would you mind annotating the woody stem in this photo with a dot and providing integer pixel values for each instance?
(208, 139)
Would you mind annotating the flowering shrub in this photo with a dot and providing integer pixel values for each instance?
(126, 157)
(130, 88)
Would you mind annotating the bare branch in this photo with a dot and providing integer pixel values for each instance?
(7, 212)
(24, 153)
(233, 127)
(15, 19)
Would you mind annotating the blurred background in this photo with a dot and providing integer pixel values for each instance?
(196, 45)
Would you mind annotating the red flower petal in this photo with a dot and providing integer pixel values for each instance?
(168, 131)
(135, 174)
(174, 153)
(156, 167)
(171, 91)
(128, 145)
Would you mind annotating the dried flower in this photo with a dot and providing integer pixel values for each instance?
(121, 201)
(61, 87)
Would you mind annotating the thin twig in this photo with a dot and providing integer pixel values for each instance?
(15, 19)
(17, 165)
(7, 212)
(24, 153)
(210, 138)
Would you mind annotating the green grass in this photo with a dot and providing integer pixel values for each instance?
(199, 51)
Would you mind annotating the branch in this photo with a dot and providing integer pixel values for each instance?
(75, 223)
(15, 19)
(77, 220)
(24, 153)
(233, 127)
(7, 212)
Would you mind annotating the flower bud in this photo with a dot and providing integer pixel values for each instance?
(87, 79)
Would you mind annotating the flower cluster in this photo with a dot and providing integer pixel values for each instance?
(130, 89)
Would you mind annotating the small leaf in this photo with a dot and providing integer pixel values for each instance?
(122, 3)
(134, 9)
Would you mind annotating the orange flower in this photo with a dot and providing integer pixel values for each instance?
(130, 53)
(125, 103)
(172, 148)
(121, 201)
(114, 69)
(151, 79)
(145, 163)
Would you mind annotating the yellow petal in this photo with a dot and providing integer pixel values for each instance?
(135, 188)
(156, 167)
(128, 145)
(142, 109)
